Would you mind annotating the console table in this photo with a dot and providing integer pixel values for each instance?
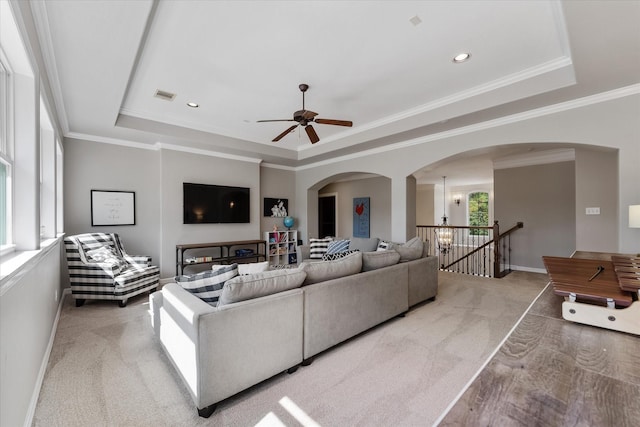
(224, 254)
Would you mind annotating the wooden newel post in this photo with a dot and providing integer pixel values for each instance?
(496, 250)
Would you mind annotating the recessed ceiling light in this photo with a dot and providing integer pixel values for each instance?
(192, 104)
(461, 57)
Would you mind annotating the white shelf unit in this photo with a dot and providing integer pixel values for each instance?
(281, 247)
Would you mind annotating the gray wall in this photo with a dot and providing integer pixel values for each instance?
(156, 176)
(96, 166)
(378, 189)
(543, 198)
(178, 167)
(424, 204)
(277, 183)
(596, 176)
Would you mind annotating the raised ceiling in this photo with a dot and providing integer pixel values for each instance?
(385, 65)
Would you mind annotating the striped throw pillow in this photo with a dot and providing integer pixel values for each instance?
(337, 255)
(208, 285)
(318, 247)
(338, 246)
(384, 245)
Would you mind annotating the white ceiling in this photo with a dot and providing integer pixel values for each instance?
(364, 61)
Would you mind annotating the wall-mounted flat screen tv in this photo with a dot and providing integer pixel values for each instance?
(215, 204)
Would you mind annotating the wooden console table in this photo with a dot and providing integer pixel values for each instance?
(224, 255)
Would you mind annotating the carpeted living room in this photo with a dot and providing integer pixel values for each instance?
(319, 213)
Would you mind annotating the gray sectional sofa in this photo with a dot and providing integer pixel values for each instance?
(220, 351)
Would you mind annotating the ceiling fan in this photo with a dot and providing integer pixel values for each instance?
(305, 118)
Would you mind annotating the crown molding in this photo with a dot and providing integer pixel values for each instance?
(514, 118)
(502, 121)
(107, 140)
(199, 151)
(274, 166)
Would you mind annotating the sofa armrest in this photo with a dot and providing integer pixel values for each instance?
(423, 279)
(220, 352)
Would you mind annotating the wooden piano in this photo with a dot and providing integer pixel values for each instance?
(599, 290)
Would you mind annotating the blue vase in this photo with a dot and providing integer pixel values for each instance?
(288, 222)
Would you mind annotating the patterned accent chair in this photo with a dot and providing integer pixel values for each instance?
(100, 268)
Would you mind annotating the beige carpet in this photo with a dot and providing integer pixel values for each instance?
(107, 369)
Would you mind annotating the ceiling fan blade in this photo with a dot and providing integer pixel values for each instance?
(283, 134)
(275, 120)
(313, 136)
(334, 122)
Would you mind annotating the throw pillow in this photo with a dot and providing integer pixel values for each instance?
(337, 246)
(107, 258)
(208, 285)
(383, 245)
(410, 250)
(242, 288)
(252, 268)
(318, 247)
(379, 259)
(337, 255)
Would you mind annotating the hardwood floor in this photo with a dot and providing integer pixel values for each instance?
(551, 372)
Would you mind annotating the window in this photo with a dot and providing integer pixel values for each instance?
(478, 214)
(6, 162)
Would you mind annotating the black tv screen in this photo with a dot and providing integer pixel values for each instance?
(215, 204)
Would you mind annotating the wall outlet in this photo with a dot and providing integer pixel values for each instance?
(593, 211)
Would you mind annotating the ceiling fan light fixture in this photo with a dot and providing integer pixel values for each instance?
(462, 57)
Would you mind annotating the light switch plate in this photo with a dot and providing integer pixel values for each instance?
(593, 211)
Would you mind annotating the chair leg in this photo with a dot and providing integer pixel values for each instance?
(122, 303)
(79, 302)
(207, 411)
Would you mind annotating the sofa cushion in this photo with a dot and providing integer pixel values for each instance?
(327, 270)
(242, 288)
(378, 259)
(318, 247)
(410, 250)
(252, 268)
(337, 255)
(337, 246)
(208, 285)
(364, 244)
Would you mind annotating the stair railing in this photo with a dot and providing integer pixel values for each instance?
(479, 251)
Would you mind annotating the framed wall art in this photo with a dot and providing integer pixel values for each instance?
(276, 207)
(361, 217)
(113, 207)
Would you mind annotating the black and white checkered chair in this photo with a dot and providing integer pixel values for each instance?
(100, 268)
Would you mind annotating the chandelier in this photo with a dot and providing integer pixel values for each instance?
(444, 233)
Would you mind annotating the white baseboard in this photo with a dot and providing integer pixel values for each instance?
(529, 269)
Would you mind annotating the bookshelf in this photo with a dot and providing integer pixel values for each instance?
(281, 247)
